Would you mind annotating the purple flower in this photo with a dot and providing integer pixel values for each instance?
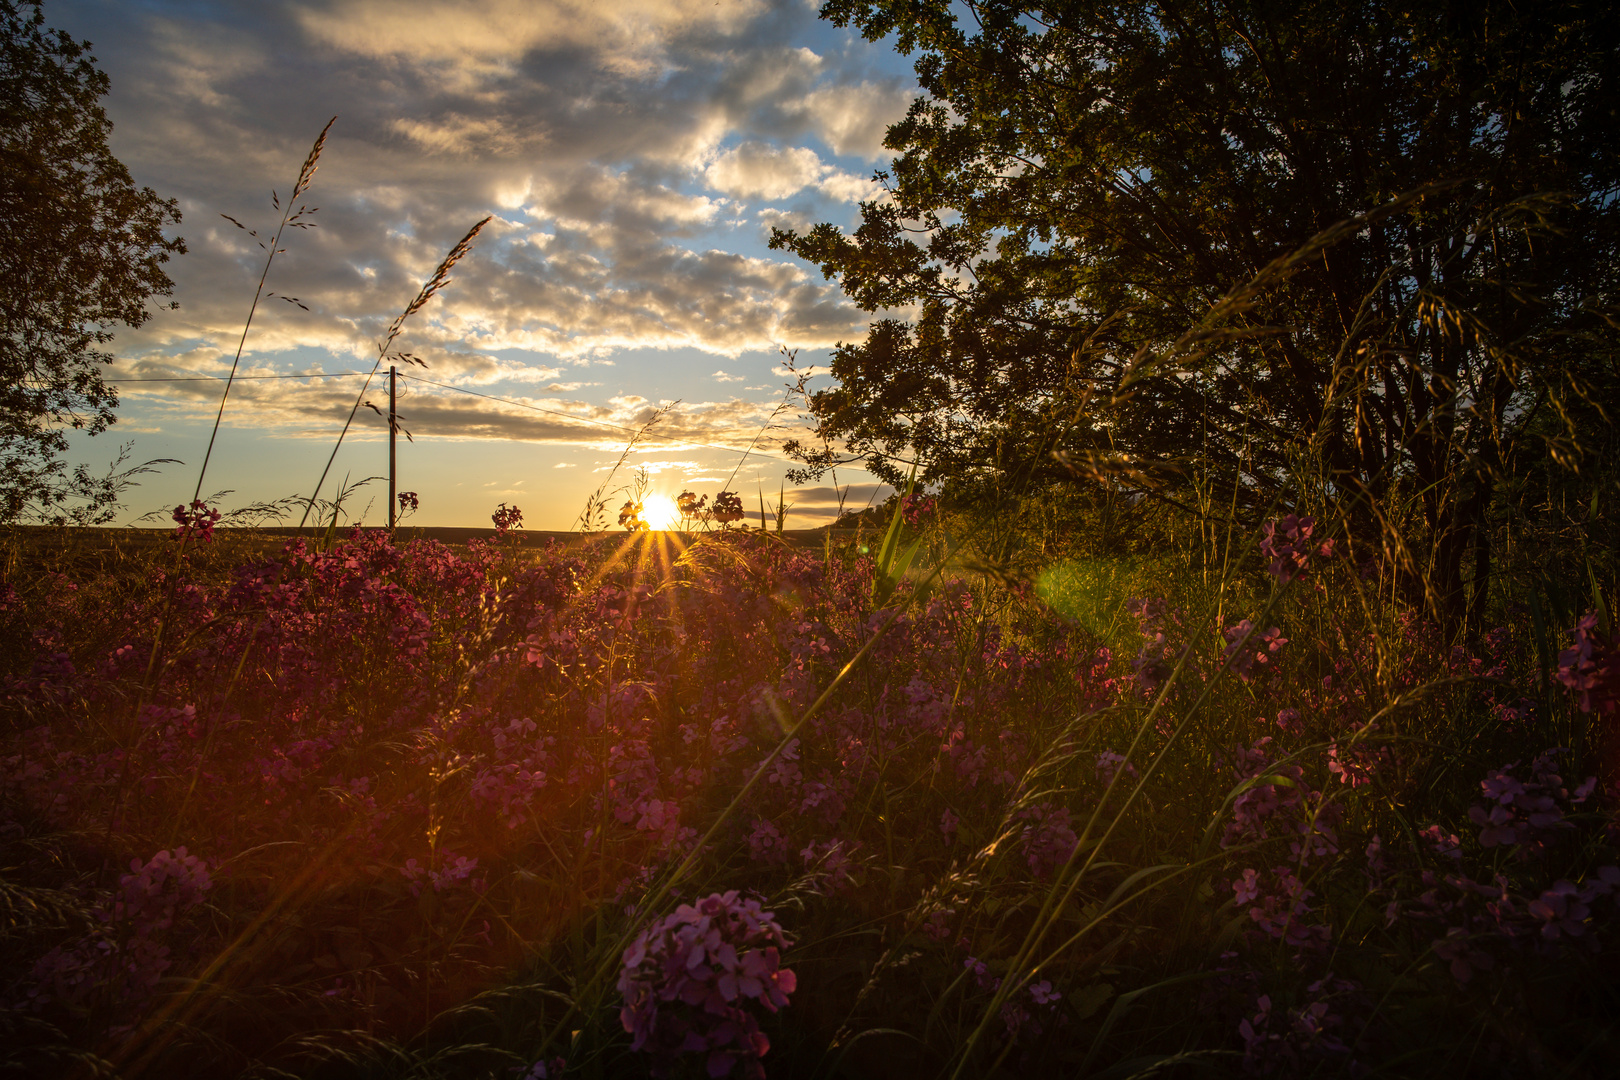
(1109, 765)
(196, 523)
(1591, 667)
(1288, 545)
(691, 979)
(1246, 648)
(914, 508)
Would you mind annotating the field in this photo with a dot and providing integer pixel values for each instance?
(854, 805)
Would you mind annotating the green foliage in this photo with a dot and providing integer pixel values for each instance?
(81, 250)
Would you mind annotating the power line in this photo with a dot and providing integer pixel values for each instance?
(239, 378)
(644, 433)
(587, 420)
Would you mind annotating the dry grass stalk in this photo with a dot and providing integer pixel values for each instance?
(440, 278)
(292, 216)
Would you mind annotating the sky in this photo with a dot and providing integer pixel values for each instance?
(635, 155)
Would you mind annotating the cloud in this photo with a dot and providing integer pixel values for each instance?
(854, 119)
(755, 170)
(624, 147)
(627, 35)
(450, 111)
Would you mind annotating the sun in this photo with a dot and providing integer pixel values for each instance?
(659, 512)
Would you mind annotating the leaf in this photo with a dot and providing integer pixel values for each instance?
(1088, 999)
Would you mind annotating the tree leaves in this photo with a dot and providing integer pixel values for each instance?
(81, 250)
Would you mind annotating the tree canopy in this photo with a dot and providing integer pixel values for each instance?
(81, 250)
(1085, 181)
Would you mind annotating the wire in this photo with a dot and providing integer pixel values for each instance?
(587, 420)
(475, 393)
(239, 378)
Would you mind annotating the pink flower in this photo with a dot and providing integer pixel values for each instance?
(691, 981)
(1288, 545)
(1591, 668)
(1245, 648)
(196, 523)
(1043, 993)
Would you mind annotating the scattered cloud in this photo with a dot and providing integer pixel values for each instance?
(854, 119)
(636, 155)
(758, 170)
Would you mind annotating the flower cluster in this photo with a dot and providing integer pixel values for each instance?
(1591, 667)
(690, 979)
(128, 951)
(1291, 1042)
(506, 519)
(196, 523)
(1158, 621)
(1288, 544)
(1049, 839)
(1246, 648)
(727, 508)
(917, 508)
(1528, 813)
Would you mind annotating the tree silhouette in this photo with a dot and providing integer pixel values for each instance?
(1085, 180)
(81, 251)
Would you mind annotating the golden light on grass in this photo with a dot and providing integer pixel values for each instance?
(660, 512)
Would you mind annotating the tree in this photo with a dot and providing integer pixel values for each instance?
(1085, 182)
(81, 250)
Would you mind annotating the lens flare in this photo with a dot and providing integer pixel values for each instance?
(659, 512)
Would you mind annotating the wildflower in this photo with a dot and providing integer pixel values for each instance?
(1247, 887)
(408, 501)
(1043, 993)
(1287, 544)
(914, 508)
(691, 980)
(630, 516)
(126, 944)
(829, 865)
(1109, 765)
(1152, 663)
(506, 519)
(1591, 668)
(937, 925)
(1354, 763)
(766, 843)
(1526, 812)
(1560, 912)
(1245, 648)
(727, 508)
(1049, 841)
(1445, 845)
(196, 523)
(1460, 955)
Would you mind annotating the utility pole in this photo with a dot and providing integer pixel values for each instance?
(393, 426)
